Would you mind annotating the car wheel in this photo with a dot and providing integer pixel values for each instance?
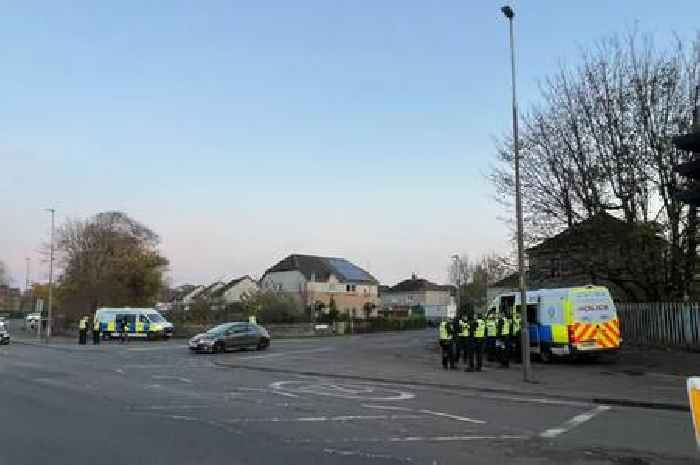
(263, 344)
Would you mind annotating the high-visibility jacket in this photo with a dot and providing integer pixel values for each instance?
(463, 328)
(444, 333)
(491, 327)
(96, 325)
(516, 325)
(505, 327)
(480, 328)
(83, 323)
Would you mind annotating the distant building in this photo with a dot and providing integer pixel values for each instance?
(418, 296)
(317, 280)
(233, 291)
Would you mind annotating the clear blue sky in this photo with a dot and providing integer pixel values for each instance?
(244, 131)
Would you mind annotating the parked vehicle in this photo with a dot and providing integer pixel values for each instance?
(142, 322)
(32, 321)
(228, 336)
(4, 334)
(567, 322)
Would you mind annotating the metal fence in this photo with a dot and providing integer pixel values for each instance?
(666, 324)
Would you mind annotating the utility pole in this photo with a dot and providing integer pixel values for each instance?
(459, 284)
(49, 314)
(26, 277)
(525, 336)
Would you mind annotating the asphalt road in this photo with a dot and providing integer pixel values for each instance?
(153, 403)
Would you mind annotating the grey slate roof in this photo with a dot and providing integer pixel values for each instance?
(418, 285)
(222, 290)
(320, 268)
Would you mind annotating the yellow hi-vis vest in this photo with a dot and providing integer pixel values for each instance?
(96, 325)
(463, 328)
(444, 335)
(505, 329)
(83, 323)
(516, 324)
(491, 327)
(480, 330)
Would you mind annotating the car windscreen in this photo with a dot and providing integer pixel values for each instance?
(155, 318)
(219, 329)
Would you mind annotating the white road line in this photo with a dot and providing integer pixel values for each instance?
(288, 353)
(339, 418)
(427, 412)
(453, 417)
(396, 439)
(176, 378)
(387, 407)
(574, 422)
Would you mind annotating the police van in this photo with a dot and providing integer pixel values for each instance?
(141, 322)
(567, 322)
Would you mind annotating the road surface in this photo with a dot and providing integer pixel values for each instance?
(157, 403)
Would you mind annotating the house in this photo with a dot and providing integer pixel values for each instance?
(418, 296)
(317, 281)
(601, 250)
(233, 290)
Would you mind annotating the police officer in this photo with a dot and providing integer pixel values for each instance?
(462, 343)
(503, 340)
(491, 333)
(445, 331)
(125, 330)
(82, 331)
(476, 341)
(95, 330)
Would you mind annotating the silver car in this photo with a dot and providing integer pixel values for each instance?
(229, 336)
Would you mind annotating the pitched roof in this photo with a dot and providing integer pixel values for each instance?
(601, 225)
(320, 268)
(415, 284)
(222, 290)
(205, 292)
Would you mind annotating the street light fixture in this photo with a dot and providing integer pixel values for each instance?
(525, 336)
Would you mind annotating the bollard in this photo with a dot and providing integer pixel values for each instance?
(694, 399)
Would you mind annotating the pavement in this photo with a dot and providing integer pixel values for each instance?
(380, 398)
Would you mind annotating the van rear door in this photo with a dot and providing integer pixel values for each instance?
(594, 324)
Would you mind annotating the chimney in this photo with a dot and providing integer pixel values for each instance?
(413, 276)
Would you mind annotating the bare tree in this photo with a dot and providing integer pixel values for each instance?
(109, 259)
(599, 141)
(4, 275)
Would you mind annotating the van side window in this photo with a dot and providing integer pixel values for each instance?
(143, 319)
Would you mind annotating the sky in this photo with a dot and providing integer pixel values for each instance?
(243, 131)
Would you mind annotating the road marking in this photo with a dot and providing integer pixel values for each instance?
(342, 390)
(427, 412)
(176, 378)
(365, 455)
(453, 417)
(339, 418)
(396, 439)
(387, 407)
(574, 422)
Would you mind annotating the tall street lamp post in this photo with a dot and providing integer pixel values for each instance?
(525, 336)
(49, 313)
